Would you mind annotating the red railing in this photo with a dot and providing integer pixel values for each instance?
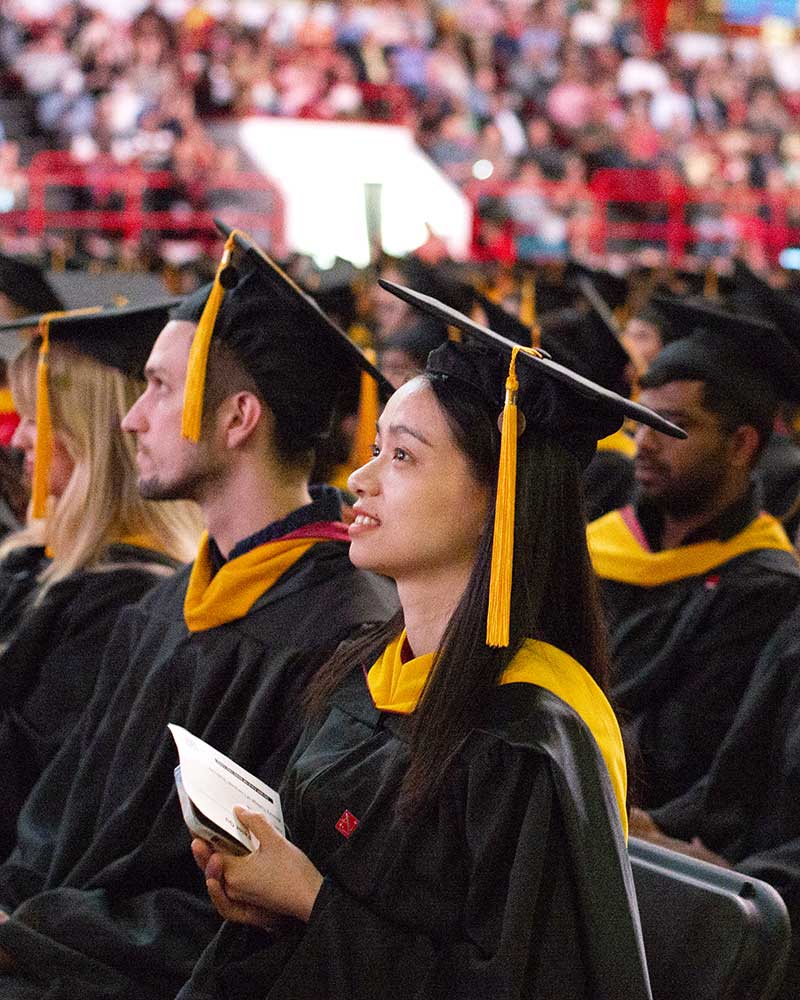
(128, 201)
(622, 211)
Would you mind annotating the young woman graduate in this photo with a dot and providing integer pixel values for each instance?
(456, 806)
(92, 544)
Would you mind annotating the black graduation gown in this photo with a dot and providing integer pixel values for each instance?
(608, 483)
(19, 572)
(747, 808)
(106, 900)
(683, 654)
(49, 664)
(8, 522)
(778, 471)
(516, 884)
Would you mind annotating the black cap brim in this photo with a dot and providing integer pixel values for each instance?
(576, 382)
(718, 343)
(120, 337)
(286, 288)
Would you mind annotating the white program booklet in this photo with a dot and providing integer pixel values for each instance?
(210, 785)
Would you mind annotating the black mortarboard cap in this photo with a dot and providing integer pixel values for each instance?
(118, 336)
(584, 341)
(24, 282)
(558, 401)
(757, 297)
(508, 325)
(121, 338)
(299, 358)
(603, 357)
(554, 290)
(122, 288)
(612, 287)
(749, 358)
(439, 282)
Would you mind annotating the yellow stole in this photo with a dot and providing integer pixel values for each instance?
(140, 541)
(6, 401)
(617, 554)
(618, 441)
(239, 583)
(396, 687)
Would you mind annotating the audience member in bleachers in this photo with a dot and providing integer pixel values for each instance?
(695, 580)
(576, 89)
(102, 894)
(66, 576)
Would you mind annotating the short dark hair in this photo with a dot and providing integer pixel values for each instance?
(735, 404)
(226, 375)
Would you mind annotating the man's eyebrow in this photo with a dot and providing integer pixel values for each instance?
(151, 370)
(405, 429)
(673, 414)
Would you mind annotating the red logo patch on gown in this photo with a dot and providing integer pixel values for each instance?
(346, 823)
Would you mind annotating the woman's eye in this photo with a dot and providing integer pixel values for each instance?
(400, 454)
(376, 450)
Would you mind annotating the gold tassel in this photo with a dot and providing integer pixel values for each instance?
(710, 284)
(194, 390)
(43, 451)
(368, 407)
(527, 309)
(497, 620)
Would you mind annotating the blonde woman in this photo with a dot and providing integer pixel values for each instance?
(99, 546)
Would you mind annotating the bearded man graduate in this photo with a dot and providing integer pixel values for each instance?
(695, 579)
(103, 897)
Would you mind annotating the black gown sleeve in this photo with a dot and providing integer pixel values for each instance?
(49, 670)
(38, 830)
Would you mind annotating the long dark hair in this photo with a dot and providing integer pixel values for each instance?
(554, 596)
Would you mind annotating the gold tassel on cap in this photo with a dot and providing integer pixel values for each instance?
(500, 580)
(527, 309)
(497, 620)
(368, 407)
(194, 389)
(43, 451)
(710, 283)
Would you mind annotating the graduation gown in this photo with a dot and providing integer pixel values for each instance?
(778, 471)
(747, 808)
(515, 884)
(8, 522)
(105, 898)
(687, 626)
(49, 663)
(19, 573)
(608, 481)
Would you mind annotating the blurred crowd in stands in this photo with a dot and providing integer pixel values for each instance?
(506, 97)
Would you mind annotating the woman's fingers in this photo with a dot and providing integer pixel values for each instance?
(257, 824)
(240, 913)
(215, 867)
(201, 852)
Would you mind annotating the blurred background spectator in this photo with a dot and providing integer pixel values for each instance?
(519, 103)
